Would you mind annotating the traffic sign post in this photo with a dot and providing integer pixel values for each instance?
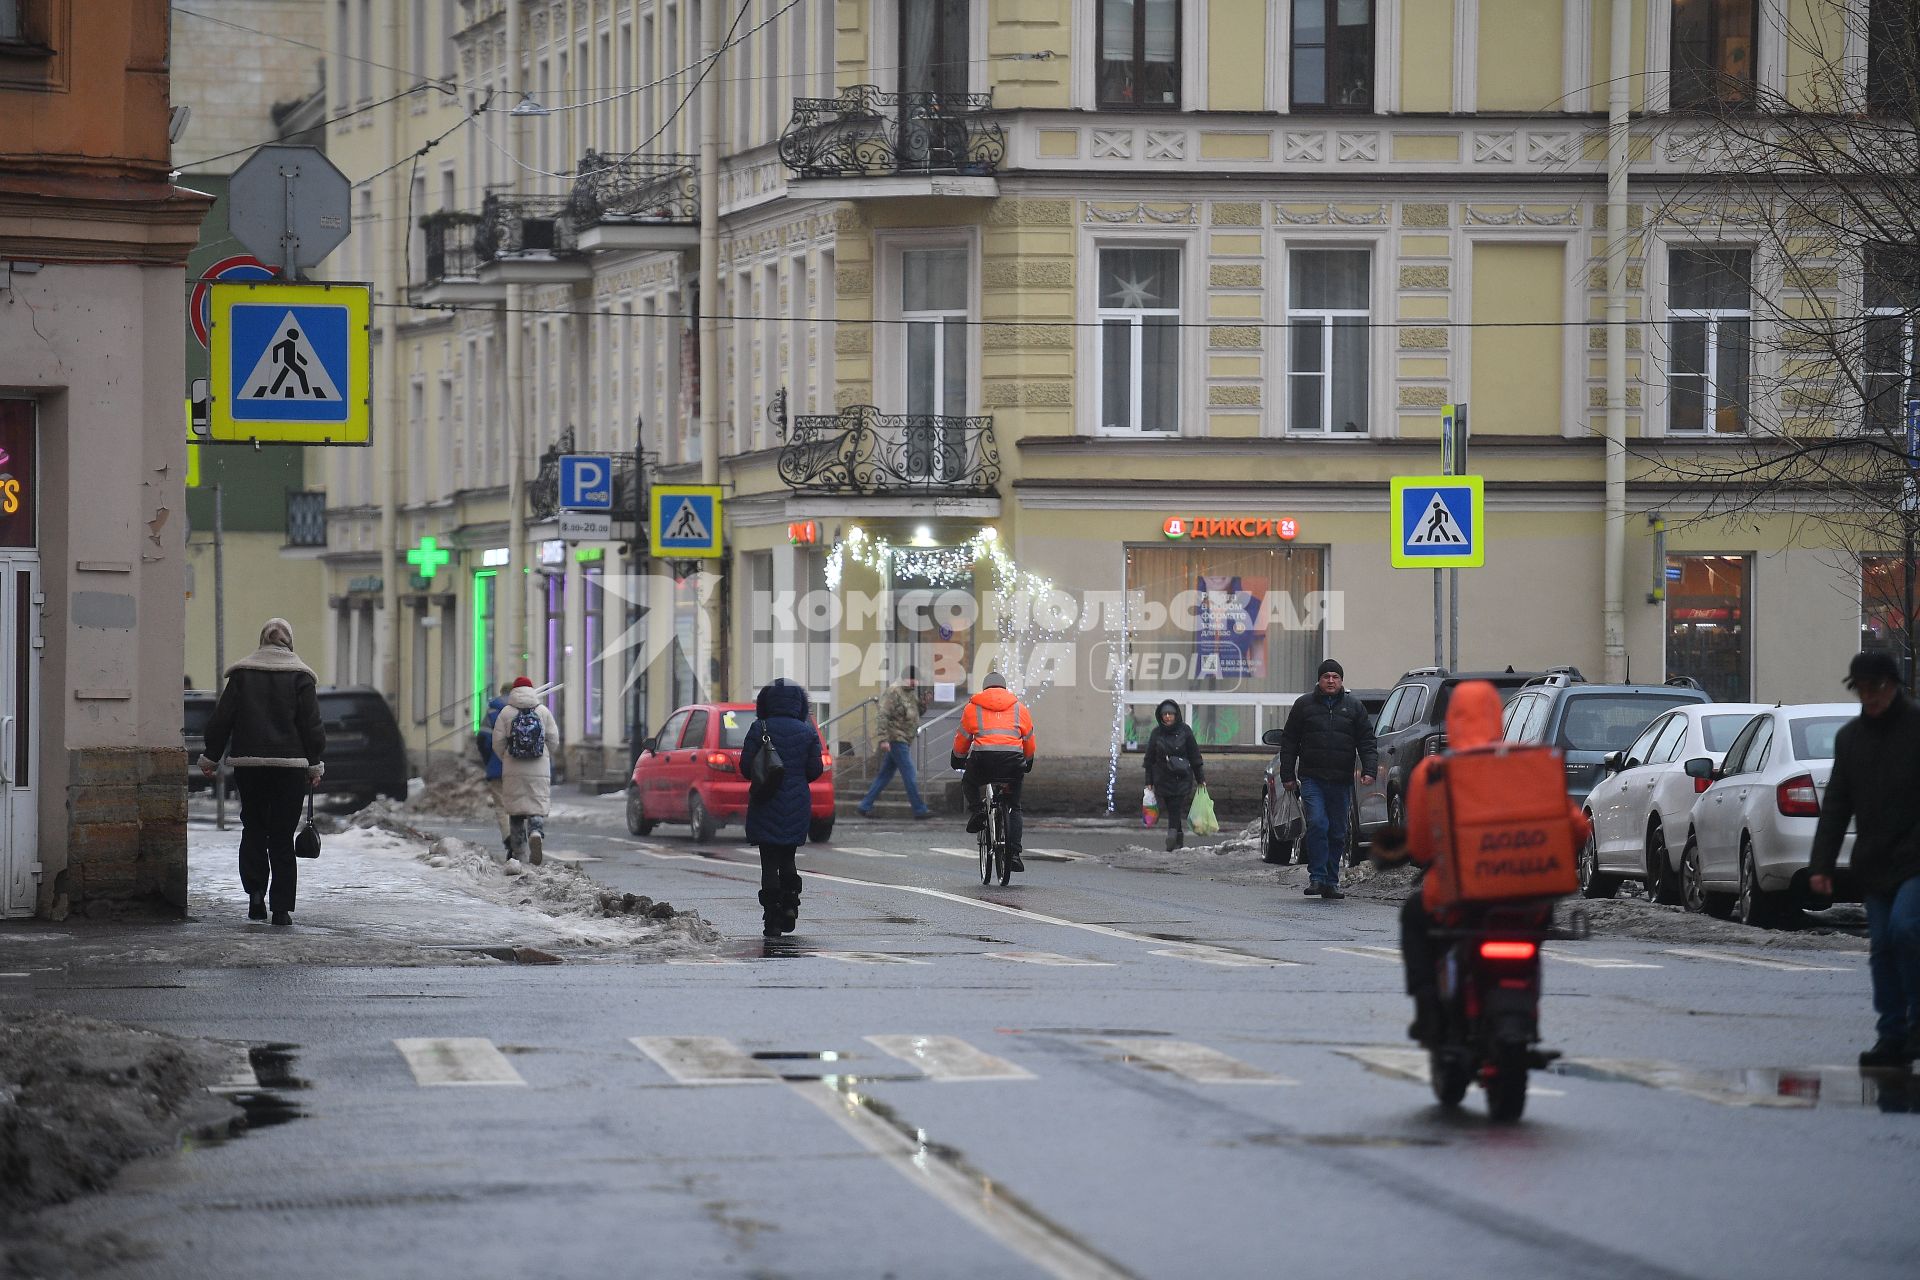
(1453, 461)
(586, 482)
(290, 363)
(1438, 522)
(685, 521)
(290, 206)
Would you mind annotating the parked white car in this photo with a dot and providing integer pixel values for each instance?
(1643, 801)
(1752, 828)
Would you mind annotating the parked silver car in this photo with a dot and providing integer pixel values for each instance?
(1752, 828)
(1642, 804)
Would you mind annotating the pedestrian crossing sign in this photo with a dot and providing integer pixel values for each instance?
(684, 521)
(290, 363)
(1439, 522)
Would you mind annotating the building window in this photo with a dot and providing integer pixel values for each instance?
(933, 46)
(422, 650)
(449, 664)
(1887, 368)
(1707, 633)
(1893, 55)
(1883, 605)
(485, 632)
(760, 630)
(1224, 629)
(1327, 339)
(1709, 339)
(1332, 55)
(593, 604)
(9, 20)
(556, 636)
(1714, 43)
(1139, 317)
(933, 303)
(1139, 64)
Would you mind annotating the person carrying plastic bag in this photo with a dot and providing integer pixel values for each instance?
(1200, 817)
(1174, 770)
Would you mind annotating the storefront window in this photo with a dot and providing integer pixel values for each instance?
(1883, 605)
(593, 612)
(1226, 629)
(556, 595)
(1707, 635)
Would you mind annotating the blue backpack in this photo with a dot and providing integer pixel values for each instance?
(527, 740)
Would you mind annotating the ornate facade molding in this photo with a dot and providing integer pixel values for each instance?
(1330, 213)
(1140, 212)
(1523, 216)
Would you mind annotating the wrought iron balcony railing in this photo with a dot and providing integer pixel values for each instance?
(861, 450)
(636, 189)
(525, 227)
(866, 132)
(450, 239)
(306, 517)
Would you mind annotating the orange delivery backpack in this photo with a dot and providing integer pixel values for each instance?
(1501, 826)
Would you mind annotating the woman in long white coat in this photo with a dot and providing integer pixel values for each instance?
(526, 781)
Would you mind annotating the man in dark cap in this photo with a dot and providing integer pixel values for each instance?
(1326, 730)
(1876, 766)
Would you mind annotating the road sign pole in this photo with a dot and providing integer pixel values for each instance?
(219, 644)
(1439, 654)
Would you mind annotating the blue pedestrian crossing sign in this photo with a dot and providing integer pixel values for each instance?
(290, 363)
(684, 521)
(586, 482)
(1439, 522)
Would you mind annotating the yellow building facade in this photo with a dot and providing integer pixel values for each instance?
(1047, 282)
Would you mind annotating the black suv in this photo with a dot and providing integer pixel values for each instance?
(366, 756)
(1588, 721)
(1413, 726)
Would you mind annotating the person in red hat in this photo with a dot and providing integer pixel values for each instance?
(525, 737)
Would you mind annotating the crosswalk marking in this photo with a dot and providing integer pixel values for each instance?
(1222, 958)
(861, 851)
(1367, 953)
(457, 1060)
(1675, 1079)
(957, 853)
(702, 960)
(868, 957)
(1729, 957)
(240, 1077)
(1597, 962)
(704, 1060)
(1194, 1061)
(1052, 855)
(949, 1058)
(568, 856)
(1414, 1065)
(1047, 958)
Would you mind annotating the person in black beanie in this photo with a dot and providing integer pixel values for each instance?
(1174, 769)
(1324, 733)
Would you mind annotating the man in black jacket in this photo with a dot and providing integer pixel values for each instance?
(1324, 732)
(1876, 763)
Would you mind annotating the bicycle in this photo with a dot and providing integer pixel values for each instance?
(993, 836)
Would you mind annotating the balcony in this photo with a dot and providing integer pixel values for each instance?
(529, 240)
(453, 263)
(867, 143)
(637, 202)
(863, 451)
(306, 518)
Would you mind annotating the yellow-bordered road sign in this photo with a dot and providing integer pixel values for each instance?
(193, 452)
(685, 521)
(1438, 522)
(290, 363)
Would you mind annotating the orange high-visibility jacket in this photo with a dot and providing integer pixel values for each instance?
(994, 720)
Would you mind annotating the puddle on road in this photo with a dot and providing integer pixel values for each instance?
(263, 1103)
(1825, 1088)
(1373, 1141)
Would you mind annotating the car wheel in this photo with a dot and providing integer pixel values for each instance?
(1753, 905)
(1355, 851)
(1693, 884)
(699, 819)
(1272, 848)
(1663, 886)
(820, 830)
(1592, 883)
(637, 821)
(1396, 811)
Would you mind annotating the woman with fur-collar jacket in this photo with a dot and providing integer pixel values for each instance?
(267, 724)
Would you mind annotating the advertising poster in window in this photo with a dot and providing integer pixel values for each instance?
(1230, 639)
(17, 489)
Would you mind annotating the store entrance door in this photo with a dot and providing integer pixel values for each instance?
(21, 605)
(1708, 602)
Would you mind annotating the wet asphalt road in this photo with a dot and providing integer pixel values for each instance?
(1100, 1140)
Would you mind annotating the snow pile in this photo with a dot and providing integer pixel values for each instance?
(458, 797)
(560, 891)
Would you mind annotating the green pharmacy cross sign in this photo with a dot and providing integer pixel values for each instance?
(428, 557)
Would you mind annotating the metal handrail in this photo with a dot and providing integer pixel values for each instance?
(858, 706)
(919, 748)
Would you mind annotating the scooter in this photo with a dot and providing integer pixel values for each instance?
(1488, 976)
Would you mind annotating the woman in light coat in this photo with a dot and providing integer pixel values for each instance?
(526, 782)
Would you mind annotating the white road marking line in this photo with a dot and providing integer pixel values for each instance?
(971, 1195)
(949, 1058)
(704, 1060)
(1682, 1080)
(1046, 957)
(1223, 959)
(1413, 1064)
(702, 960)
(1194, 1061)
(457, 1060)
(1597, 962)
(868, 957)
(1367, 953)
(957, 853)
(1785, 966)
(565, 855)
(15, 975)
(861, 851)
(664, 856)
(1050, 855)
(1107, 931)
(240, 1078)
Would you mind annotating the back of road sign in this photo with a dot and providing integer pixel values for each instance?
(290, 363)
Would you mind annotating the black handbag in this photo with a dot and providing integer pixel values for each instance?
(306, 841)
(767, 771)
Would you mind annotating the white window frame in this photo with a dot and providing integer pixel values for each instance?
(891, 380)
(1386, 54)
(1712, 316)
(883, 47)
(1183, 372)
(937, 318)
(1326, 315)
(1904, 374)
(1083, 67)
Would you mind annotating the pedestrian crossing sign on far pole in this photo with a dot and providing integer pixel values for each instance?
(684, 521)
(290, 363)
(1439, 522)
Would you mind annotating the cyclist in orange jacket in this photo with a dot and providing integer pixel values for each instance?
(994, 744)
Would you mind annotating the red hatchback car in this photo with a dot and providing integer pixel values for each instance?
(691, 773)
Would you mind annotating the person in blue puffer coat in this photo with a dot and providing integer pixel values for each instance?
(778, 823)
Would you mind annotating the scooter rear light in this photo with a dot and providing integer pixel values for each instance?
(1797, 798)
(1509, 950)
